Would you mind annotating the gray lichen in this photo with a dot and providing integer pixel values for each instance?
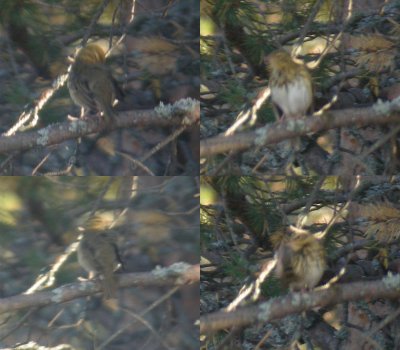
(183, 107)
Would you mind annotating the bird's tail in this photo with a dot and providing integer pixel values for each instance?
(109, 285)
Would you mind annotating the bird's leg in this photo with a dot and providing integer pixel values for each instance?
(279, 116)
(91, 276)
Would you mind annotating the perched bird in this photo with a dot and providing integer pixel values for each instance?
(90, 82)
(301, 261)
(98, 255)
(290, 84)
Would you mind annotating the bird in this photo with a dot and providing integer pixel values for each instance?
(290, 83)
(98, 255)
(301, 261)
(91, 84)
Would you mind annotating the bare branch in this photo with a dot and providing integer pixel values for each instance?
(183, 112)
(379, 113)
(176, 274)
(388, 287)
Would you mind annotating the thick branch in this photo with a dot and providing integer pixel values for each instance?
(176, 274)
(183, 112)
(380, 113)
(388, 287)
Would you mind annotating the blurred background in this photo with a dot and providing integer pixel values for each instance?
(156, 61)
(156, 223)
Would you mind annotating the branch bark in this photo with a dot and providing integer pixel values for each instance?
(183, 112)
(379, 113)
(388, 287)
(174, 275)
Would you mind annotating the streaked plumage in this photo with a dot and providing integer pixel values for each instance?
(91, 84)
(98, 255)
(290, 84)
(301, 261)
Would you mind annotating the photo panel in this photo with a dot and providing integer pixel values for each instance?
(299, 262)
(99, 262)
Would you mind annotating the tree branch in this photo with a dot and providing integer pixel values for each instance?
(379, 113)
(182, 112)
(176, 274)
(388, 287)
